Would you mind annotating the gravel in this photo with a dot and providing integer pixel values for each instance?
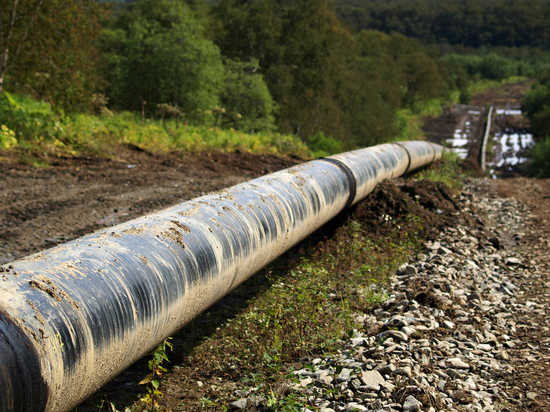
(442, 339)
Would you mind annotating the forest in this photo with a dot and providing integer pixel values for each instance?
(335, 75)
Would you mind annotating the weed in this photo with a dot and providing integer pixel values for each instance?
(206, 402)
(447, 171)
(158, 357)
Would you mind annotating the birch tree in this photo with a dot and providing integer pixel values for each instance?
(17, 19)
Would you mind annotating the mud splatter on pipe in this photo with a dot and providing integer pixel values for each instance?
(75, 316)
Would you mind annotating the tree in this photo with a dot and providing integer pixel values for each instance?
(299, 47)
(49, 49)
(16, 22)
(246, 101)
(157, 53)
(536, 106)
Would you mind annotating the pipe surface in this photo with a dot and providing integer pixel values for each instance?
(75, 316)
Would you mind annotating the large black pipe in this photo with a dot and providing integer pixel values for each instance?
(73, 317)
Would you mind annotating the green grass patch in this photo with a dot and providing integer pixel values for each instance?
(484, 85)
(409, 121)
(31, 127)
(447, 170)
(102, 135)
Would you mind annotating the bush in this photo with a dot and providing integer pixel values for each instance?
(536, 106)
(495, 67)
(29, 119)
(247, 103)
(322, 146)
(7, 137)
(540, 165)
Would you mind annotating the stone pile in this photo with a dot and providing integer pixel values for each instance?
(442, 340)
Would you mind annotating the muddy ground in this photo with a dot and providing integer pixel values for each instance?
(41, 208)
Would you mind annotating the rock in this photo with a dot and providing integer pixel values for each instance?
(359, 342)
(408, 330)
(448, 324)
(354, 406)
(344, 375)
(454, 374)
(411, 404)
(474, 296)
(395, 334)
(457, 363)
(405, 371)
(386, 369)
(305, 382)
(495, 241)
(240, 404)
(511, 261)
(372, 378)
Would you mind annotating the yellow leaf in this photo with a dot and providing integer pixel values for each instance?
(147, 379)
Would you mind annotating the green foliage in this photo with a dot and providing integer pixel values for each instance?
(30, 125)
(536, 106)
(540, 163)
(469, 23)
(158, 357)
(491, 66)
(322, 146)
(246, 100)
(408, 124)
(7, 137)
(157, 53)
(51, 51)
(29, 119)
(447, 170)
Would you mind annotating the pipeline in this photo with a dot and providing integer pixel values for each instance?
(483, 161)
(75, 316)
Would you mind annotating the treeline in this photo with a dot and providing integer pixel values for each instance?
(253, 66)
(468, 23)
(536, 106)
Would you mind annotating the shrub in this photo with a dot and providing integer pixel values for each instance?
(321, 145)
(540, 164)
(28, 118)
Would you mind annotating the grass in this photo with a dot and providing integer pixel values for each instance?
(35, 131)
(447, 171)
(409, 122)
(98, 134)
(484, 85)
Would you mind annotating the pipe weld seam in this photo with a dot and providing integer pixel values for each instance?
(349, 175)
(408, 156)
(435, 151)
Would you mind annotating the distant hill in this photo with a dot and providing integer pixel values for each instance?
(468, 23)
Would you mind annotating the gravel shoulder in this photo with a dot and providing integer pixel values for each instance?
(466, 324)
